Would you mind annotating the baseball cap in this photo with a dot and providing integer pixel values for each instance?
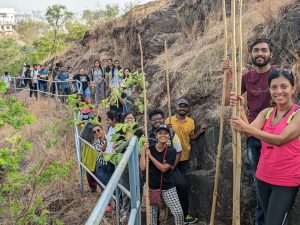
(183, 101)
(163, 127)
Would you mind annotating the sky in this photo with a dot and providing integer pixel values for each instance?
(72, 5)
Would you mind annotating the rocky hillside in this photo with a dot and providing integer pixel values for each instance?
(194, 31)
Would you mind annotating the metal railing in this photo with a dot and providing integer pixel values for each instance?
(53, 87)
(113, 188)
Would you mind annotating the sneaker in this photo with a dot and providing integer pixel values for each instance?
(190, 220)
(124, 219)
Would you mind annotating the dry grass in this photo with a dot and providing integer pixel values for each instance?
(196, 63)
(62, 196)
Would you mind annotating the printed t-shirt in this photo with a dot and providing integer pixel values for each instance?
(280, 165)
(184, 130)
(155, 173)
(84, 79)
(258, 95)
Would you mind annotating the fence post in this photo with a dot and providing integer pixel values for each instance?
(78, 153)
(56, 90)
(15, 86)
(118, 196)
(137, 182)
(38, 88)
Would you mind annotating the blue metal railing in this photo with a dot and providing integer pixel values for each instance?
(113, 188)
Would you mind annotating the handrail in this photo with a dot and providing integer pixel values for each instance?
(129, 158)
(77, 83)
(99, 210)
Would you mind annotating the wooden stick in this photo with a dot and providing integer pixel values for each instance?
(234, 109)
(168, 81)
(218, 160)
(238, 141)
(146, 134)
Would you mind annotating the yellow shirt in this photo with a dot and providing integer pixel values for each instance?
(184, 129)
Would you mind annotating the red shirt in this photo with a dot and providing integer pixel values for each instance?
(280, 165)
(258, 96)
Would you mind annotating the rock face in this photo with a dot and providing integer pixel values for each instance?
(286, 35)
(195, 52)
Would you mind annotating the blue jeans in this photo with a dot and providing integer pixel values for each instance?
(104, 172)
(43, 86)
(253, 154)
(87, 93)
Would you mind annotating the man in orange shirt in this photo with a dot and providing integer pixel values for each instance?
(184, 127)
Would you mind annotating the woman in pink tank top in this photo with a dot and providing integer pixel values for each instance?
(278, 172)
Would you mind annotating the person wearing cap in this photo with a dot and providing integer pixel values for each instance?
(161, 160)
(184, 127)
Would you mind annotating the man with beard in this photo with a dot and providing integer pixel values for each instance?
(184, 127)
(255, 83)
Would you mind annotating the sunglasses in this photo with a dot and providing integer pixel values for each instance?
(96, 131)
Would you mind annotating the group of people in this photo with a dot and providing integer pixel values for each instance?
(273, 144)
(168, 148)
(272, 130)
(271, 126)
(99, 80)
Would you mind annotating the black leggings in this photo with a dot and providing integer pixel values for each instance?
(276, 201)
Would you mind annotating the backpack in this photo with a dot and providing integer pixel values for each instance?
(27, 73)
(87, 132)
(93, 68)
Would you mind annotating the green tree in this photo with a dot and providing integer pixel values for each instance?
(30, 30)
(57, 16)
(75, 31)
(88, 16)
(110, 12)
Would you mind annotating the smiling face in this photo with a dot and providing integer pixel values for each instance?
(81, 71)
(281, 90)
(97, 64)
(157, 120)
(110, 122)
(182, 109)
(126, 72)
(109, 62)
(261, 54)
(162, 136)
(129, 119)
(98, 132)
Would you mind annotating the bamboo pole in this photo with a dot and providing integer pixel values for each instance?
(146, 134)
(219, 150)
(168, 81)
(238, 141)
(234, 109)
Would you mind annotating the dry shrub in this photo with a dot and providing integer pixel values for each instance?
(271, 10)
